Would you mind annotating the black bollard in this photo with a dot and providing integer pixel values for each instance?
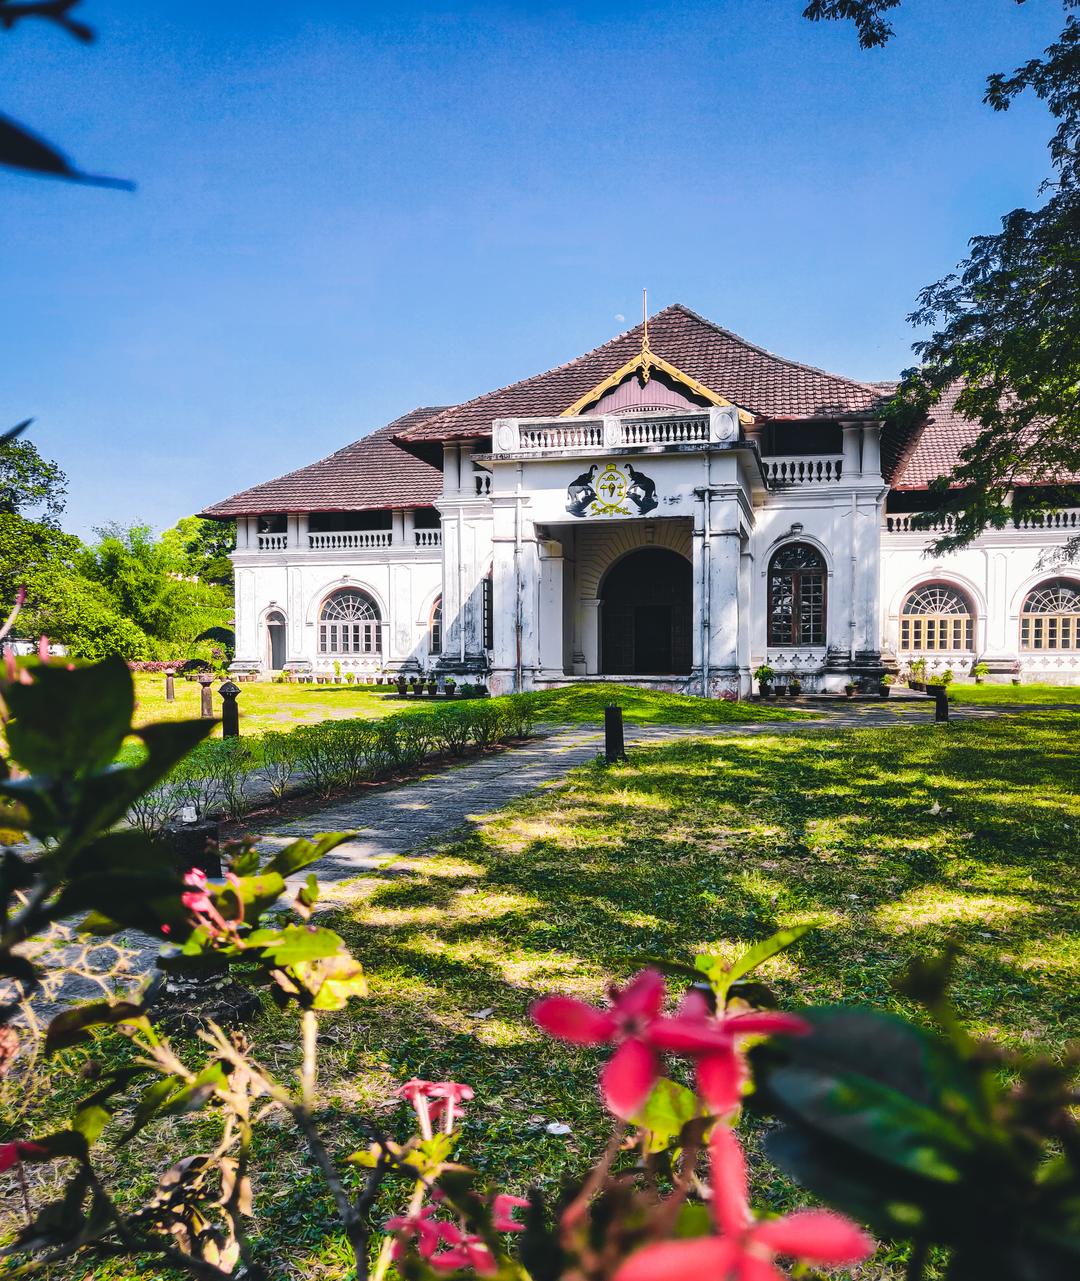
(170, 688)
(230, 712)
(614, 748)
(207, 698)
(195, 845)
(941, 703)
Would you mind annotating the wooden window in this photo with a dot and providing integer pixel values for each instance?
(936, 618)
(349, 624)
(435, 628)
(1050, 618)
(488, 607)
(797, 596)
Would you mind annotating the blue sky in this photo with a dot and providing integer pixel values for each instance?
(345, 210)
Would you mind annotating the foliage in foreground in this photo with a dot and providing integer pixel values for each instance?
(880, 1117)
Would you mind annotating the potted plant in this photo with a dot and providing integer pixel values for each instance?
(849, 689)
(450, 687)
(1016, 673)
(886, 684)
(432, 685)
(917, 674)
(795, 687)
(402, 685)
(467, 690)
(481, 690)
(980, 671)
(764, 677)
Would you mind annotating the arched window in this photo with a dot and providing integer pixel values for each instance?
(349, 624)
(936, 617)
(435, 628)
(797, 596)
(1050, 618)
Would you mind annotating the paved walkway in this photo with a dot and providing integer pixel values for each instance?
(393, 821)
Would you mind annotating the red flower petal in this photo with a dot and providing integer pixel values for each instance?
(694, 1005)
(572, 1020)
(643, 996)
(720, 1078)
(819, 1236)
(767, 1023)
(689, 1036)
(751, 1268)
(628, 1076)
(9, 1154)
(699, 1259)
(730, 1197)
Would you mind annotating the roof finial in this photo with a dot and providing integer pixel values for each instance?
(646, 353)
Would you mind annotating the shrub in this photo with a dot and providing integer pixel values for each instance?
(278, 752)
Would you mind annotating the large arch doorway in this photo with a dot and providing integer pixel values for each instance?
(275, 640)
(646, 610)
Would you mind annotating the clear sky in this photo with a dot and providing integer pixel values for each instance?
(345, 210)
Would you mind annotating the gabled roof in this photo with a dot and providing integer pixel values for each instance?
(371, 473)
(934, 448)
(750, 377)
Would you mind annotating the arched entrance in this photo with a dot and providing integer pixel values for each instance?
(275, 640)
(647, 605)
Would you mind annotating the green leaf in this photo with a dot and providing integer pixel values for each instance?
(72, 1026)
(90, 1120)
(721, 976)
(302, 852)
(71, 722)
(669, 1107)
(255, 893)
(332, 982)
(296, 943)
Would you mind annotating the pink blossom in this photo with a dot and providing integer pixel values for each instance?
(720, 1068)
(634, 1068)
(502, 1209)
(635, 1024)
(745, 1249)
(418, 1225)
(435, 1102)
(464, 1252)
(10, 666)
(43, 649)
(11, 1154)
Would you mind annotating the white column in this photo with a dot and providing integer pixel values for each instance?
(871, 449)
(302, 531)
(866, 638)
(851, 467)
(504, 653)
(550, 617)
(746, 586)
(590, 634)
(723, 563)
(699, 651)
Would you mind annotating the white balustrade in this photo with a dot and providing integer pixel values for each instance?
(691, 430)
(565, 435)
(1066, 518)
(273, 542)
(802, 469)
(428, 537)
(908, 523)
(349, 540)
(482, 481)
(574, 435)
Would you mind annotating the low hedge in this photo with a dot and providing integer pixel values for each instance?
(218, 777)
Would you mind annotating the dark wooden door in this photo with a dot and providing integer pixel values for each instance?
(647, 604)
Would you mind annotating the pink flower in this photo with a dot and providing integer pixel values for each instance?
(502, 1211)
(464, 1252)
(418, 1226)
(11, 1154)
(10, 666)
(635, 1023)
(43, 649)
(634, 1068)
(745, 1250)
(712, 1042)
(435, 1102)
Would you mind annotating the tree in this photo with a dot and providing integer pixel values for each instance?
(200, 548)
(1006, 323)
(28, 481)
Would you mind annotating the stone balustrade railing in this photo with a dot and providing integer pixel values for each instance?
(273, 542)
(428, 537)
(349, 540)
(593, 434)
(802, 469)
(1068, 518)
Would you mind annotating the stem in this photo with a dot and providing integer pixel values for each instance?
(309, 1032)
(916, 1264)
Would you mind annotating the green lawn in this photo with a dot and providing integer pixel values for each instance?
(266, 706)
(895, 840)
(990, 694)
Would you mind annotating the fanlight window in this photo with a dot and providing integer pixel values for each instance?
(936, 617)
(797, 596)
(1050, 618)
(349, 624)
(435, 628)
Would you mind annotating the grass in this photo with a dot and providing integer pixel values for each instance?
(266, 706)
(894, 840)
(1004, 694)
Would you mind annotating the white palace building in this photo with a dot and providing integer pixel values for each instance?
(673, 508)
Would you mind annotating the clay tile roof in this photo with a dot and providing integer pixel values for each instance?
(373, 472)
(751, 377)
(934, 449)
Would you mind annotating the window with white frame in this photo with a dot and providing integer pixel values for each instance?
(435, 628)
(936, 618)
(1050, 618)
(349, 624)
